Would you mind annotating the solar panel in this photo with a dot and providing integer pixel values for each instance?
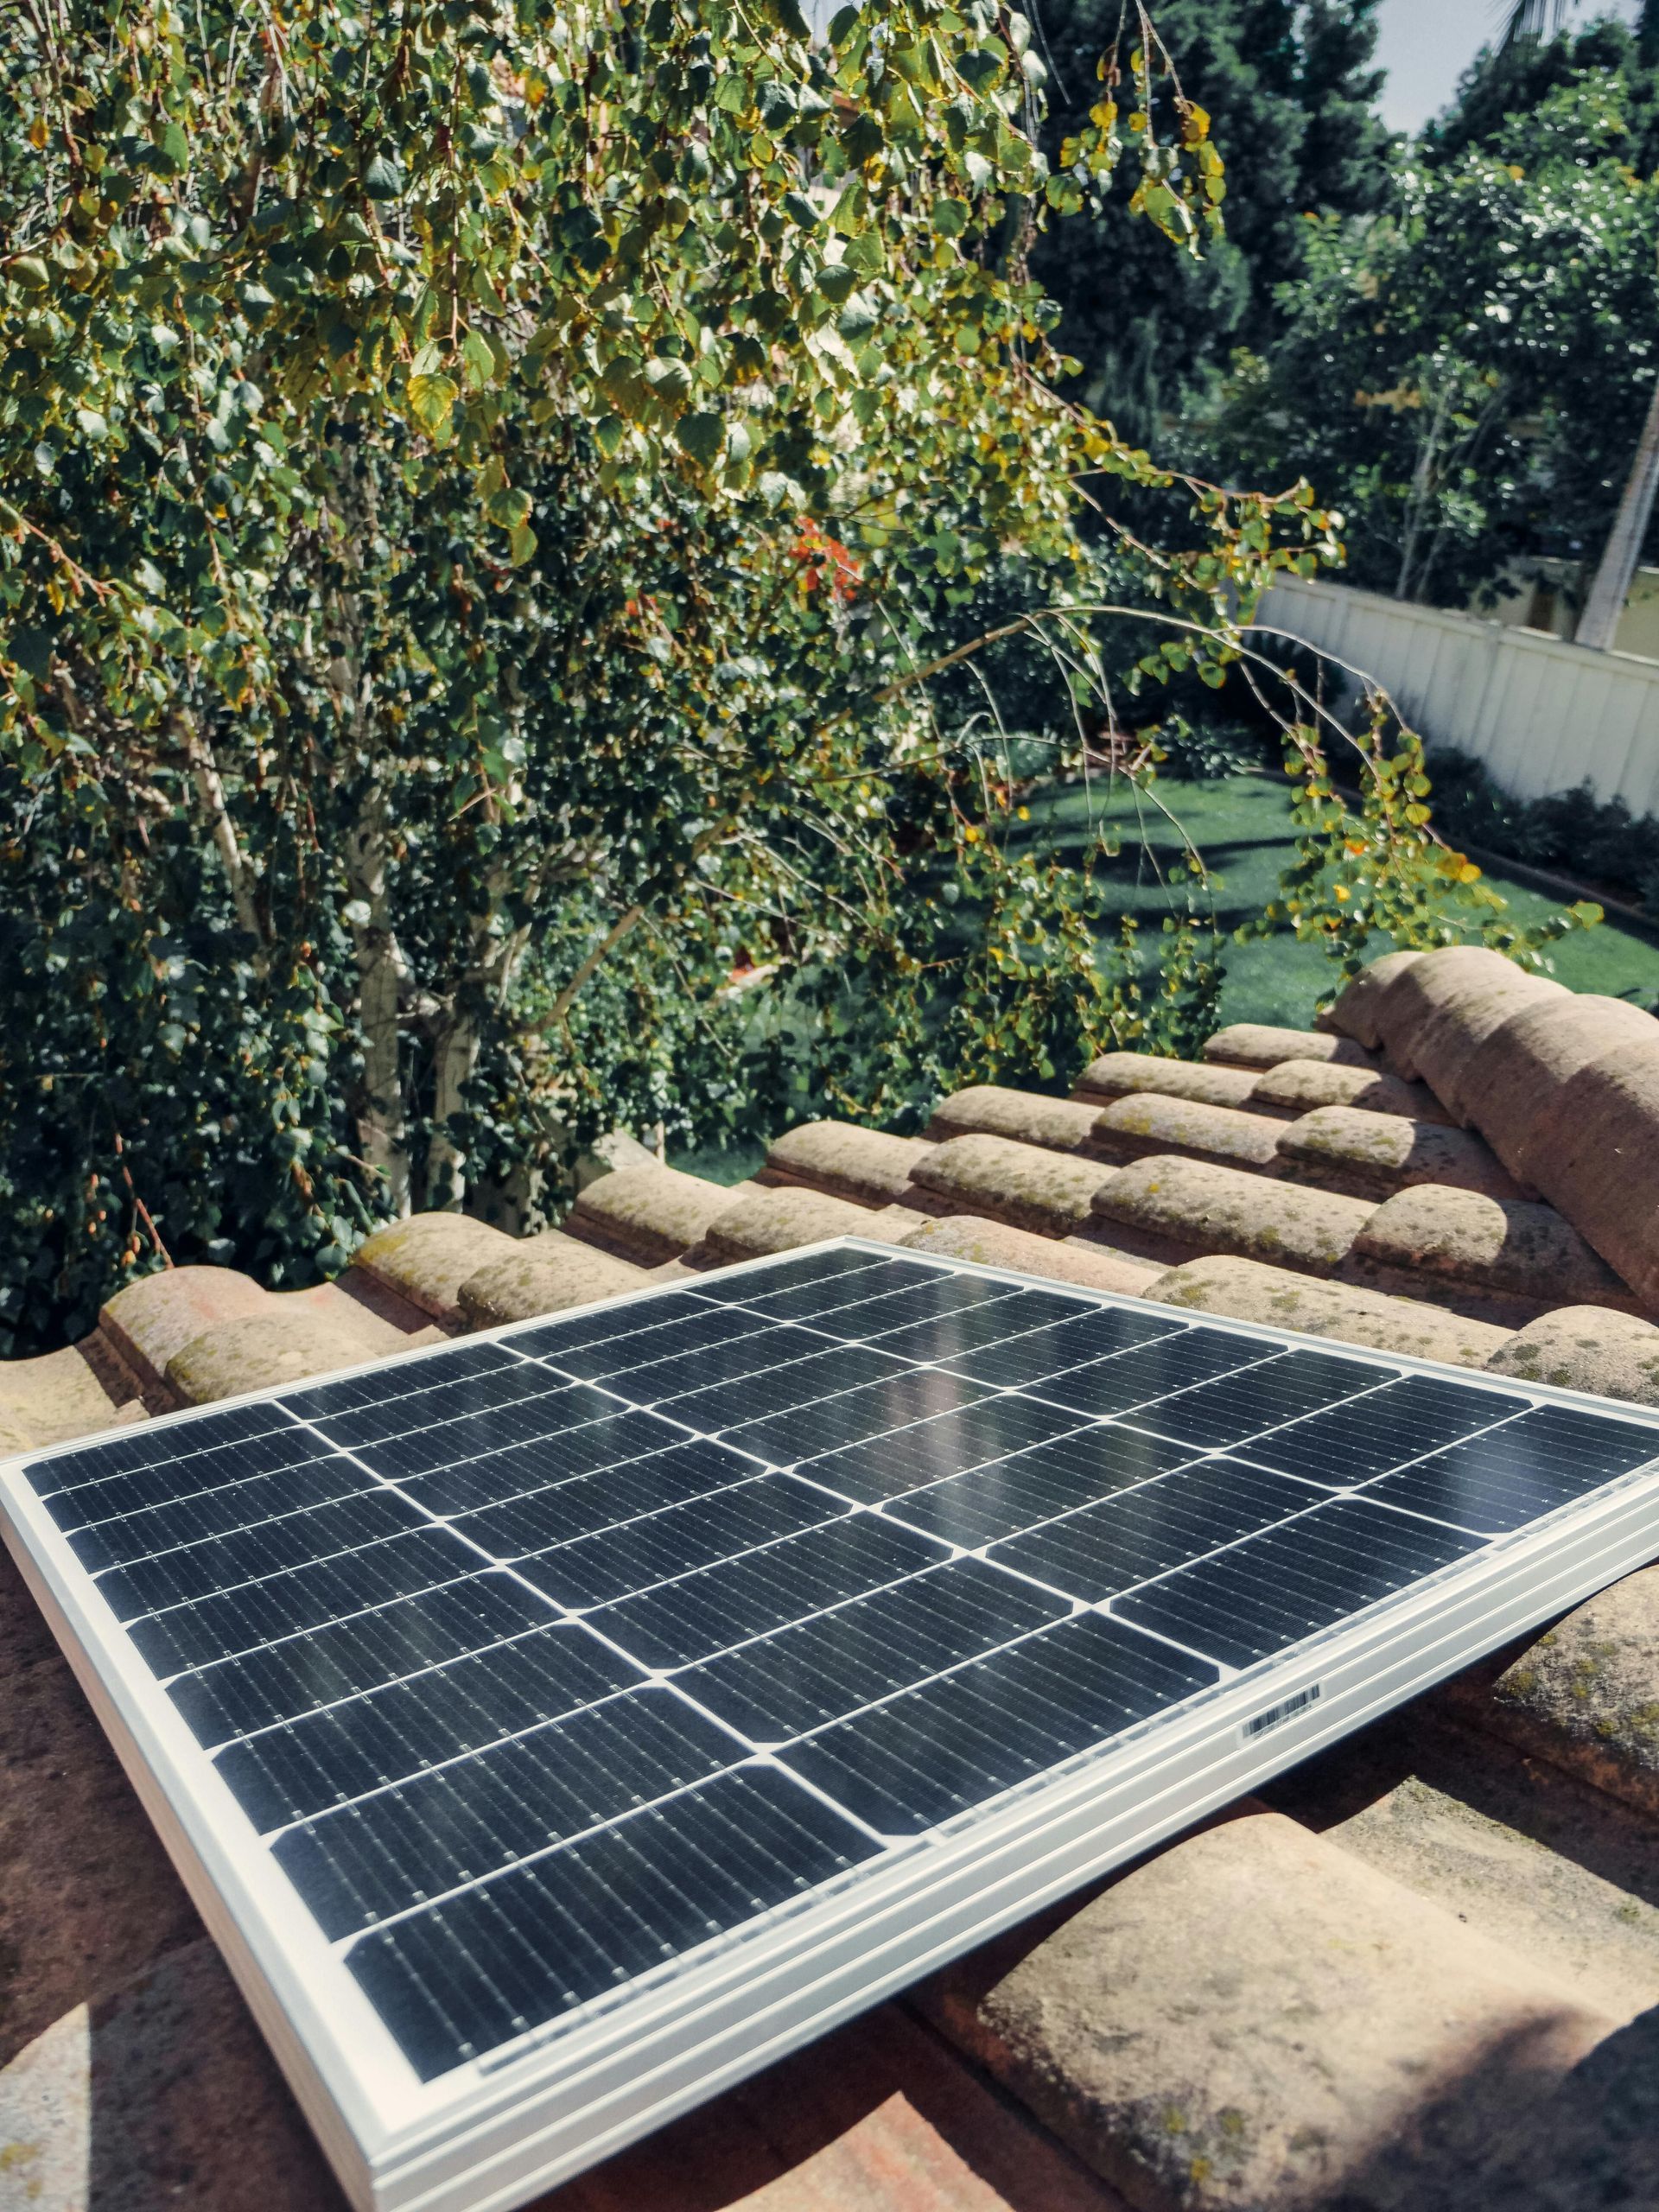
(555, 1725)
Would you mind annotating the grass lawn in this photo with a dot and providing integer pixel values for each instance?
(1241, 826)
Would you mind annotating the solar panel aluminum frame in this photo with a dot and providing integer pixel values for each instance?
(493, 2132)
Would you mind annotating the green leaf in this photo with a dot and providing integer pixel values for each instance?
(30, 647)
(671, 380)
(509, 508)
(522, 543)
(703, 435)
(478, 358)
(836, 281)
(384, 177)
(431, 402)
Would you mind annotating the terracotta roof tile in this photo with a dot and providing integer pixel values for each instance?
(647, 1214)
(1260, 1044)
(1133, 1128)
(89, 1898)
(1448, 1045)
(847, 1160)
(1418, 996)
(172, 2068)
(1190, 1205)
(1120, 1075)
(882, 2116)
(158, 1315)
(1373, 1155)
(544, 1274)
(1251, 1291)
(1360, 1000)
(1431, 1234)
(762, 1221)
(989, 1109)
(1603, 1169)
(60, 1394)
(1510, 1086)
(427, 1258)
(1020, 1184)
(283, 1345)
(1586, 1348)
(1066, 1259)
(1583, 1694)
(1298, 1086)
(1256, 2018)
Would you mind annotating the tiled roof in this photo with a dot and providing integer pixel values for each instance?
(1417, 1980)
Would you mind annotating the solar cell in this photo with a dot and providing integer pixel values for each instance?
(619, 1652)
(898, 1459)
(1518, 1470)
(497, 1959)
(658, 1547)
(296, 1766)
(449, 1826)
(1067, 1344)
(1031, 1486)
(317, 1669)
(933, 1753)
(1144, 1373)
(1143, 1532)
(780, 1686)
(1269, 1591)
(1258, 1397)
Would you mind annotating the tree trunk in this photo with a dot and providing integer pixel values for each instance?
(382, 1115)
(1599, 623)
(458, 1045)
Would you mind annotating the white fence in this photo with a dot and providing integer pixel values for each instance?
(1542, 714)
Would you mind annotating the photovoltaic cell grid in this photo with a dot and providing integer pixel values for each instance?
(541, 1661)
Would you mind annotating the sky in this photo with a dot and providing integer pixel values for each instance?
(1426, 45)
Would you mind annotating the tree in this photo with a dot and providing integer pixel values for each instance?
(513, 520)
(1291, 91)
(1462, 372)
(490, 493)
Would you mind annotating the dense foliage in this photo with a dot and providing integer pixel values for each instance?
(516, 523)
(1465, 373)
(1291, 93)
(1595, 840)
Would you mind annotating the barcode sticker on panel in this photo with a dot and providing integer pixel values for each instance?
(1287, 1709)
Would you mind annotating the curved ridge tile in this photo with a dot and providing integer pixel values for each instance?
(1512, 1086)
(1602, 1170)
(846, 1159)
(1250, 1290)
(1358, 1002)
(159, 1314)
(1133, 1128)
(1451, 1042)
(1437, 981)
